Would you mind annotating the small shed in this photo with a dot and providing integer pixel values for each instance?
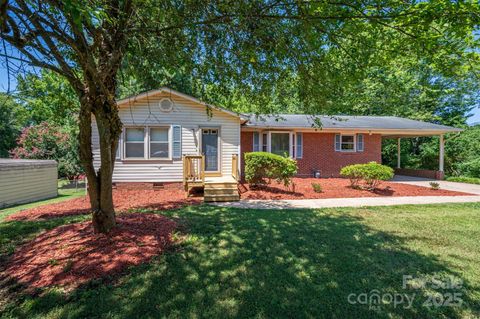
(23, 181)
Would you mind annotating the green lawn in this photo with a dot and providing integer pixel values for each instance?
(281, 263)
(464, 179)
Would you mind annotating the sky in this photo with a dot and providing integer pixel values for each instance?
(4, 87)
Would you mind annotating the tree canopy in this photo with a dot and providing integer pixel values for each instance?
(316, 57)
(12, 119)
(47, 96)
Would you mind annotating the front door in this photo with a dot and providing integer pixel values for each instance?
(210, 149)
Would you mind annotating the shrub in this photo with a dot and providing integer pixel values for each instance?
(464, 179)
(371, 174)
(354, 173)
(470, 168)
(434, 185)
(317, 188)
(260, 166)
(47, 141)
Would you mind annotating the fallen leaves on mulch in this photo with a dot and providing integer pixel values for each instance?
(337, 188)
(71, 255)
(123, 200)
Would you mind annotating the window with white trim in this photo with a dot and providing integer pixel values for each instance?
(256, 141)
(280, 143)
(360, 143)
(134, 142)
(284, 143)
(344, 143)
(264, 142)
(153, 142)
(298, 145)
(159, 142)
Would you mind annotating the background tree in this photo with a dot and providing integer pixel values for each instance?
(49, 141)
(245, 47)
(47, 97)
(12, 119)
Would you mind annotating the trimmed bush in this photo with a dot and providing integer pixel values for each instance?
(371, 174)
(261, 167)
(434, 185)
(317, 188)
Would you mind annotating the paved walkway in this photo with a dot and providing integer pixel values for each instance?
(452, 186)
(348, 202)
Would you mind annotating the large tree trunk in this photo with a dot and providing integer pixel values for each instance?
(100, 182)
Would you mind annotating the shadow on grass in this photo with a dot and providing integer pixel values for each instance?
(262, 263)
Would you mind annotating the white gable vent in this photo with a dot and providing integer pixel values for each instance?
(166, 105)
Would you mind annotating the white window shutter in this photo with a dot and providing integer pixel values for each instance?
(299, 145)
(360, 143)
(338, 142)
(177, 141)
(256, 142)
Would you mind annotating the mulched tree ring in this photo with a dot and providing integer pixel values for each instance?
(72, 255)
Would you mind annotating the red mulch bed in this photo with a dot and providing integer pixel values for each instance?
(123, 200)
(71, 255)
(337, 188)
(175, 198)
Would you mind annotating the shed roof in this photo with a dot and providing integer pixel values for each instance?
(374, 123)
(8, 163)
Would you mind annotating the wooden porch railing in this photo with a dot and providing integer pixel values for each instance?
(193, 169)
(235, 172)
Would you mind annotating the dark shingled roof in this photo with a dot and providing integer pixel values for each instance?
(344, 122)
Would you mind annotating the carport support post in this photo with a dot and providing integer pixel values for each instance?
(442, 154)
(398, 153)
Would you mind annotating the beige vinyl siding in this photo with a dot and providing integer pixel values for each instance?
(27, 183)
(191, 116)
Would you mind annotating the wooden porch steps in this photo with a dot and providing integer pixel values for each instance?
(221, 191)
(215, 188)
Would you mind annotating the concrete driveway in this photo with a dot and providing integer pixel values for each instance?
(425, 182)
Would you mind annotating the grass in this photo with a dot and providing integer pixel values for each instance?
(464, 179)
(63, 194)
(283, 264)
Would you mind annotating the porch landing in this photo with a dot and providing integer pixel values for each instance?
(219, 179)
(222, 188)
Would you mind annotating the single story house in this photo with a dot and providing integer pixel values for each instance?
(171, 137)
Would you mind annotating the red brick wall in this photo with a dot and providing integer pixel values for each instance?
(426, 173)
(246, 145)
(319, 153)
